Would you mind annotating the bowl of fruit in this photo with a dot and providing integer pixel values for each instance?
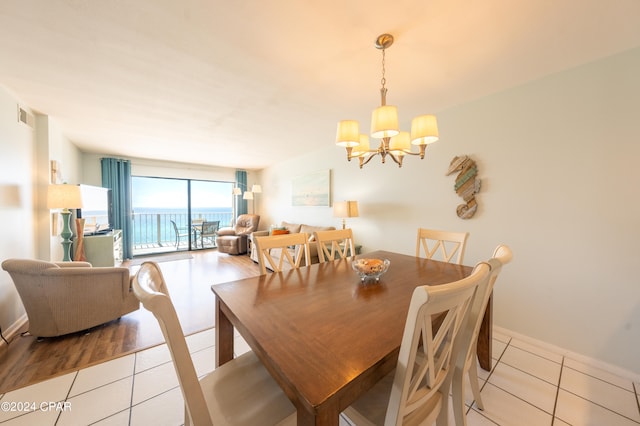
(370, 269)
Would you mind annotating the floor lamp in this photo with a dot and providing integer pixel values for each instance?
(249, 195)
(64, 197)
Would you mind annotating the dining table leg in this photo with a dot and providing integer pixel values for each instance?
(224, 336)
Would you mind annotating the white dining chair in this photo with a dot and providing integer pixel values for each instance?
(334, 244)
(466, 363)
(416, 392)
(239, 392)
(446, 244)
(274, 250)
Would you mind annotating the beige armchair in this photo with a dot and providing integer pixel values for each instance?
(233, 239)
(62, 298)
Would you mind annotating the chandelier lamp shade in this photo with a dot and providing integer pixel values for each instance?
(384, 126)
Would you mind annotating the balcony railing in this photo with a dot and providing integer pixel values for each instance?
(156, 230)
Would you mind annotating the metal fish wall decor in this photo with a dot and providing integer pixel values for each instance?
(467, 184)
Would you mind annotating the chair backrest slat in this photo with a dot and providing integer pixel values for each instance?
(447, 244)
(282, 243)
(423, 371)
(334, 244)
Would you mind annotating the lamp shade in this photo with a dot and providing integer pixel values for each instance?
(64, 197)
(348, 133)
(399, 143)
(424, 130)
(345, 209)
(384, 121)
(363, 147)
(248, 195)
(237, 191)
(256, 189)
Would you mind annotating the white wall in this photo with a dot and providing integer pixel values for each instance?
(25, 162)
(558, 161)
(51, 144)
(92, 174)
(17, 143)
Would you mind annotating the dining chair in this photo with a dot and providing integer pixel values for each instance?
(466, 364)
(417, 391)
(334, 243)
(449, 243)
(240, 392)
(179, 233)
(274, 250)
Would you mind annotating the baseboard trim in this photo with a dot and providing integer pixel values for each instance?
(13, 330)
(610, 368)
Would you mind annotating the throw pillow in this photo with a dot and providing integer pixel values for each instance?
(278, 230)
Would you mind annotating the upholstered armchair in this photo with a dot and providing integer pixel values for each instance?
(66, 297)
(233, 239)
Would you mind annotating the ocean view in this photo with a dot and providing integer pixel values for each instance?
(153, 225)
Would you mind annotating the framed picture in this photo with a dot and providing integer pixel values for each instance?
(312, 189)
(56, 172)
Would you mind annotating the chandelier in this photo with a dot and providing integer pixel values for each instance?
(384, 125)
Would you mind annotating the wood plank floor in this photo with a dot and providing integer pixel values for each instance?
(26, 361)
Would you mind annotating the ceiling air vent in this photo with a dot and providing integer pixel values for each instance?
(26, 117)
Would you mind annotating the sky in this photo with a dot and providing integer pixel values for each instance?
(172, 193)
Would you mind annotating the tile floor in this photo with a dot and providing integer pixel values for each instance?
(527, 386)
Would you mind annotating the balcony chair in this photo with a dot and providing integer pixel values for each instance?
(180, 233)
(467, 359)
(280, 252)
(233, 239)
(336, 244)
(417, 391)
(209, 231)
(240, 392)
(449, 244)
(66, 297)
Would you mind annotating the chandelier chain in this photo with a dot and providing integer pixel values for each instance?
(383, 80)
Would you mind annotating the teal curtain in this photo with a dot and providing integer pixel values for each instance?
(241, 182)
(116, 175)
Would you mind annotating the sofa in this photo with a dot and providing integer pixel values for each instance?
(66, 297)
(233, 239)
(291, 228)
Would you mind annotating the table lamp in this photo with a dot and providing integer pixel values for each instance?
(64, 197)
(345, 209)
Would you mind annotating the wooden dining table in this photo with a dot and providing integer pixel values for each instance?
(325, 336)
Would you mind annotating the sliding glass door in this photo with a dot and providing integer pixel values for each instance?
(178, 214)
(211, 209)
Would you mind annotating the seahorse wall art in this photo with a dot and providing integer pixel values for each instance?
(467, 184)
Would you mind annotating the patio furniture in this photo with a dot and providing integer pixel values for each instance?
(209, 231)
(179, 233)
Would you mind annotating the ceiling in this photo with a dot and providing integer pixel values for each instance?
(247, 83)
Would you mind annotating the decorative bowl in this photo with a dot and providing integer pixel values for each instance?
(370, 269)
